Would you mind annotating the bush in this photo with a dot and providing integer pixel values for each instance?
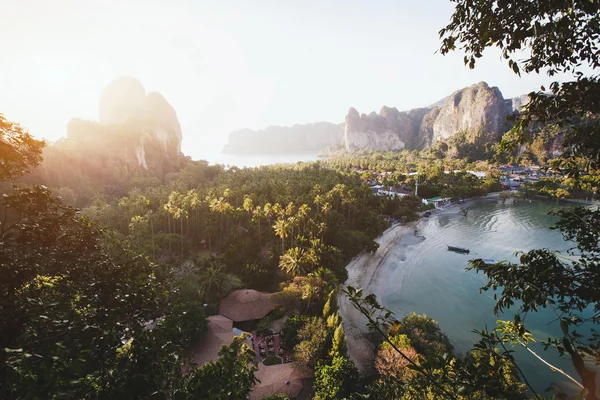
(272, 360)
(185, 323)
(289, 332)
(264, 326)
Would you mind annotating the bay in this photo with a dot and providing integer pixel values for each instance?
(429, 279)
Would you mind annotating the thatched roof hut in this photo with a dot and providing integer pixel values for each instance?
(220, 332)
(246, 305)
(288, 379)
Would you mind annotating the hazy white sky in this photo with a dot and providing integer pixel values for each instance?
(226, 65)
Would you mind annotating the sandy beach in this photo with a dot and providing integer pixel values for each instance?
(368, 271)
(363, 272)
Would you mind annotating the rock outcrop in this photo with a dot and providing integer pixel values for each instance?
(138, 135)
(124, 102)
(479, 109)
(307, 138)
(388, 130)
(476, 108)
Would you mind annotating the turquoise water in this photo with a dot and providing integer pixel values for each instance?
(431, 280)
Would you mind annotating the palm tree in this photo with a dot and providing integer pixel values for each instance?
(176, 207)
(222, 207)
(302, 214)
(211, 282)
(290, 209)
(195, 203)
(257, 214)
(268, 212)
(282, 227)
(277, 210)
(291, 261)
(310, 294)
(137, 227)
(292, 220)
(248, 205)
(319, 201)
(150, 216)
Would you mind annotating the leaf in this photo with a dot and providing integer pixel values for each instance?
(564, 326)
(7, 350)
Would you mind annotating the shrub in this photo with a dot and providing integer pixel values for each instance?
(272, 360)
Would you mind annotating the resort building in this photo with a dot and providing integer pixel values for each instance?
(437, 201)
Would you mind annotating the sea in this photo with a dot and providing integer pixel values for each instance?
(255, 160)
(429, 279)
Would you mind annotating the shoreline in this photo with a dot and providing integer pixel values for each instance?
(365, 272)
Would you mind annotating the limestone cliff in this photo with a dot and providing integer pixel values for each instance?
(479, 109)
(124, 102)
(476, 108)
(138, 135)
(388, 130)
(314, 137)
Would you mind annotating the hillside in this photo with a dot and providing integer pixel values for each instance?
(479, 109)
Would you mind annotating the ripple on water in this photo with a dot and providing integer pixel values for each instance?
(430, 280)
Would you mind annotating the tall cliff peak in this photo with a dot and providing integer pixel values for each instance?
(476, 108)
(124, 101)
(137, 134)
(479, 108)
(121, 99)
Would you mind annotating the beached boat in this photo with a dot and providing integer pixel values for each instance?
(458, 249)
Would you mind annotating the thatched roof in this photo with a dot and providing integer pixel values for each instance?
(246, 305)
(281, 378)
(220, 332)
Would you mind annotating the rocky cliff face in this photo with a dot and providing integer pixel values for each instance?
(137, 135)
(136, 122)
(388, 130)
(476, 108)
(480, 109)
(314, 137)
(125, 102)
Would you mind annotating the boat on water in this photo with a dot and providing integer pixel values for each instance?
(458, 249)
(489, 261)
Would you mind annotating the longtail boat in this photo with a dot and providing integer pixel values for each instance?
(458, 249)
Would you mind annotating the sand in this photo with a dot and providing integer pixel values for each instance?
(364, 271)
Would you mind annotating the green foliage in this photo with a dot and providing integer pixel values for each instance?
(336, 380)
(314, 343)
(230, 377)
(72, 313)
(272, 360)
(263, 327)
(487, 371)
(561, 37)
(545, 279)
(289, 332)
(338, 342)
(184, 323)
(308, 293)
(425, 335)
(19, 151)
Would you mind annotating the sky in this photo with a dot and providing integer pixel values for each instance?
(226, 65)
